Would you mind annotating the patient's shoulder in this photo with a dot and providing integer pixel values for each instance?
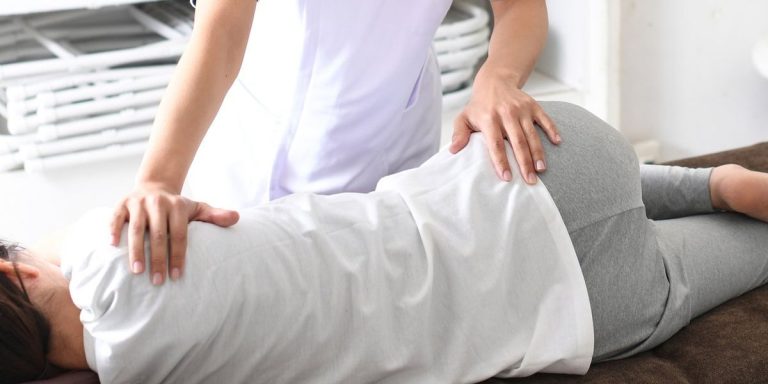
(92, 265)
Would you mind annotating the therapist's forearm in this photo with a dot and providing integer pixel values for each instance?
(519, 34)
(205, 72)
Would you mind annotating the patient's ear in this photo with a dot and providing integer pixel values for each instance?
(26, 271)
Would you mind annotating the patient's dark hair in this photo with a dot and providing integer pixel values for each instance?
(24, 331)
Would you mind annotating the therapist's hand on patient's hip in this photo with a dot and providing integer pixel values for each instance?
(163, 214)
(500, 110)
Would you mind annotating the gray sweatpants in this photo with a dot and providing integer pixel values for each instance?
(653, 252)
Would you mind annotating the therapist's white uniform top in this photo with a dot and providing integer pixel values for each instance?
(444, 274)
(332, 96)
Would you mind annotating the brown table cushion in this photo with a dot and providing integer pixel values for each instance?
(754, 157)
(728, 344)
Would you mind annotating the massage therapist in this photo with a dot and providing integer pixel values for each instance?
(320, 96)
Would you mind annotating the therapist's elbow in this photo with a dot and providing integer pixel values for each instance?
(222, 29)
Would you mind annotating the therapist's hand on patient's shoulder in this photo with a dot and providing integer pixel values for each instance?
(500, 110)
(164, 214)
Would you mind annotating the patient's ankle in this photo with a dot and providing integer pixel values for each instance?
(735, 188)
(722, 185)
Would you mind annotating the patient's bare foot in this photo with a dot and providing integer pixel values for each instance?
(735, 188)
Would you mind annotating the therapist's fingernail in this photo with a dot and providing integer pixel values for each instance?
(540, 166)
(532, 178)
(558, 139)
(157, 278)
(507, 176)
(175, 274)
(137, 267)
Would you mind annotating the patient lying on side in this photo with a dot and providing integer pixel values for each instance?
(427, 279)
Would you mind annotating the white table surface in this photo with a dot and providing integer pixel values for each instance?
(18, 7)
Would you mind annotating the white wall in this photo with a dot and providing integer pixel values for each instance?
(582, 52)
(564, 55)
(687, 78)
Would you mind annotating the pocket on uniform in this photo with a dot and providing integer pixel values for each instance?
(416, 91)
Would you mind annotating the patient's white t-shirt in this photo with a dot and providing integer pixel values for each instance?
(443, 275)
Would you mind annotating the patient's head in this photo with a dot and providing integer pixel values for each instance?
(25, 335)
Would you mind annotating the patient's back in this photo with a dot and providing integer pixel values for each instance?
(287, 275)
